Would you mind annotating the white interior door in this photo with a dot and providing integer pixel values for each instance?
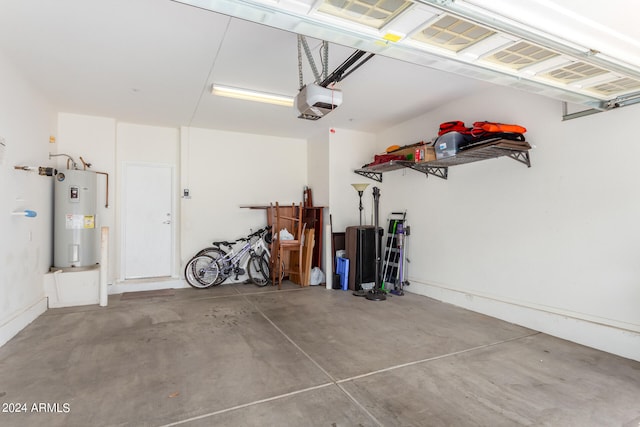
(148, 221)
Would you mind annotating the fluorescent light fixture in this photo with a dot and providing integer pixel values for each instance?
(251, 95)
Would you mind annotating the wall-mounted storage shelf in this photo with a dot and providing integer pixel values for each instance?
(517, 150)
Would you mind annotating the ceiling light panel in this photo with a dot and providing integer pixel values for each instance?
(519, 55)
(371, 13)
(452, 34)
(549, 64)
(487, 45)
(574, 72)
(623, 85)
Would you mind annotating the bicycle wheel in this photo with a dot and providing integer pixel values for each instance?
(215, 253)
(258, 269)
(201, 272)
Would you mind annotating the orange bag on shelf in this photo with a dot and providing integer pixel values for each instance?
(497, 127)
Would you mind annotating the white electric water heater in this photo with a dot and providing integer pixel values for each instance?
(75, 237)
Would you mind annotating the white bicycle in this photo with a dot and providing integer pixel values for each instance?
(213, 265)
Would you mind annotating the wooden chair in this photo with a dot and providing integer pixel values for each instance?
(281, 250)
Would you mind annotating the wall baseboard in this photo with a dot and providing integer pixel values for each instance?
(607, 338)
(18, 322)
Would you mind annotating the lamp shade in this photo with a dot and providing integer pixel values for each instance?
(360, 187)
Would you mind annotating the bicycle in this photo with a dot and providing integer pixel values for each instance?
(212, 266)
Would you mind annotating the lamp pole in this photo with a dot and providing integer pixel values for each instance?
(376, 294)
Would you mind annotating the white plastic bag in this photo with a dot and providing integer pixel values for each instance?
(285, 235)
(317, 276)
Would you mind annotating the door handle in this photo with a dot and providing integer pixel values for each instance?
(167, 221)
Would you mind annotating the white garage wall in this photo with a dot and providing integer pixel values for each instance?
(26, 122)
(554, 247)
(224, 170)
(318, 168)
(349, 150)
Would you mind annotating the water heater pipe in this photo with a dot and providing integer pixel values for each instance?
(106, 202)
(104, 265)
(85, 165)
(69, 158)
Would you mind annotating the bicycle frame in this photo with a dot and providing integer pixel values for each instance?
(236, 262)
(231, 261)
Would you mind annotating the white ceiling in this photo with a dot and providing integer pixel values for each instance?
(153, 62)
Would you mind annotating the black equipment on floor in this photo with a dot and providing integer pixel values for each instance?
(360, 249)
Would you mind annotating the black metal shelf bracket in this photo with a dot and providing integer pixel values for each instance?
(440, 172)
(376, 176)
(522, 157)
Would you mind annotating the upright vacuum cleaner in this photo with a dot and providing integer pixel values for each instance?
(376, 294)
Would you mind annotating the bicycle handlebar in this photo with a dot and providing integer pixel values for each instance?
(260, 231)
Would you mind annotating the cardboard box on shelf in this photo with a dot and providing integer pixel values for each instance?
(416, 153)
(409, 151)
(424, 153)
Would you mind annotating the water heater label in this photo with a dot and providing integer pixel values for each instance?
(78, 221)
(89, 221)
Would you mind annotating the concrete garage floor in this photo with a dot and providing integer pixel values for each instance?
(237, 355)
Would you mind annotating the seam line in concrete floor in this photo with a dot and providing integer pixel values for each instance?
(430, 359)
(245, 405)
(333, 381)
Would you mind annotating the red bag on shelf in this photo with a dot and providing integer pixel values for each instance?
(453, 126)
(385, 158)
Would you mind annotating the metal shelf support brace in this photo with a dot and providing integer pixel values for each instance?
(522, 157)
(376, 176)
(440, 172)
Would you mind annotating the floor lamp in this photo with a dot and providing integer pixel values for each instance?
(376, 294)
(360, 189)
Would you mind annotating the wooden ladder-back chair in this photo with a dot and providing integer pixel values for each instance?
(282, 263)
